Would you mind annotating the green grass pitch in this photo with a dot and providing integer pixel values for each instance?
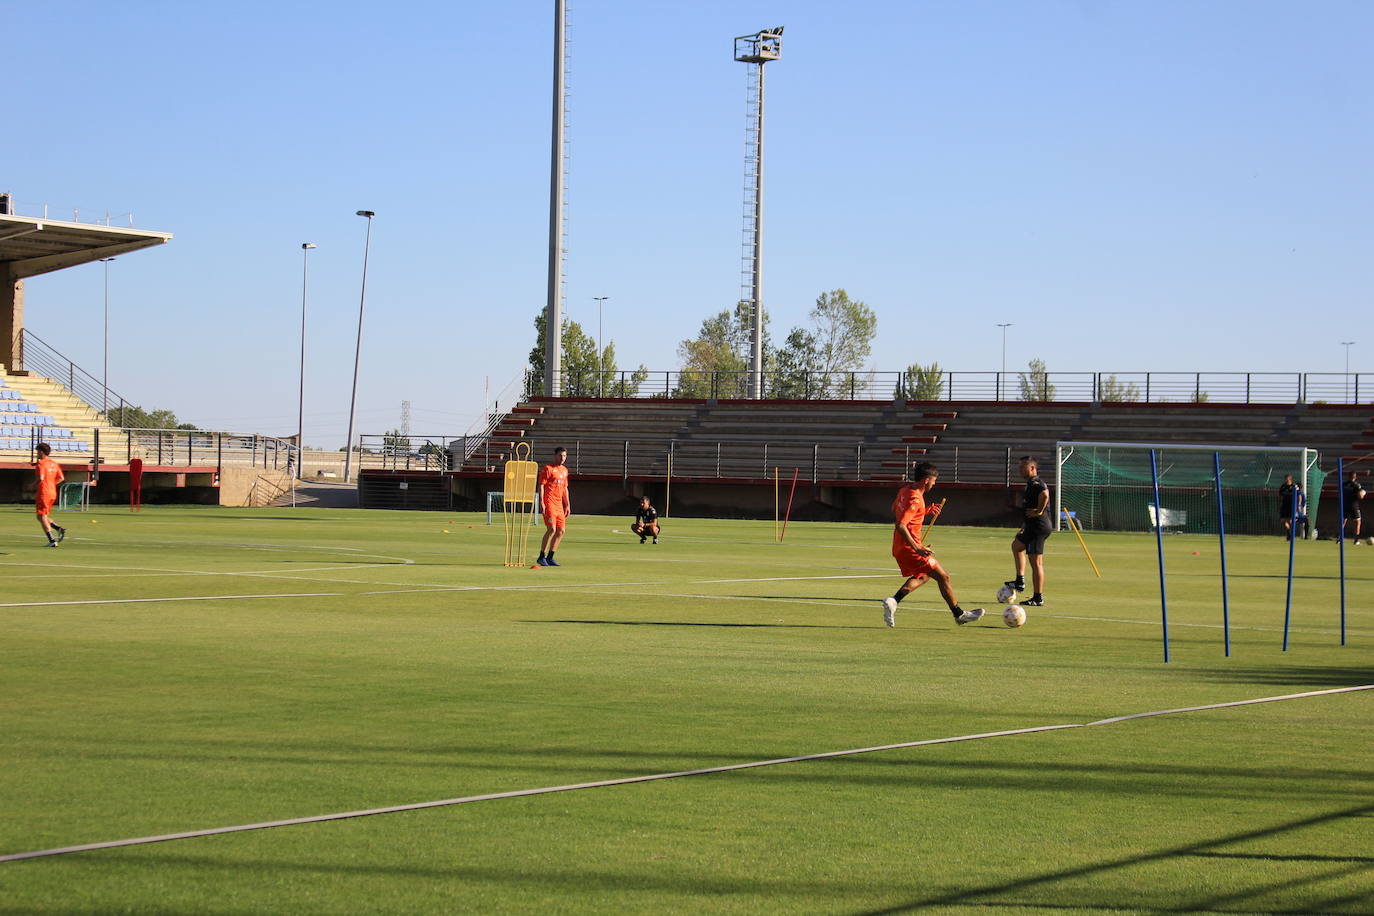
(347, 660)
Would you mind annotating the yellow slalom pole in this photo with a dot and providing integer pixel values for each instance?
(775, 504)
(1073, 526)
(668, 487)
(925, 535)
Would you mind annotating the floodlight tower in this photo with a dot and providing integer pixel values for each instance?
(755, 50)
(553, 313)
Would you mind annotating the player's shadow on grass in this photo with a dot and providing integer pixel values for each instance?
(690, 623)
(1295, 676)
(571, 879)
(1127, 894)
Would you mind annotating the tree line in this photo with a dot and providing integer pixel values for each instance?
(813, 362)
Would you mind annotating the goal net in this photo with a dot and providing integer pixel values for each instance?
(1108, 486)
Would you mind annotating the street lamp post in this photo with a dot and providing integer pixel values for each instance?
(358, 349)
(105, 371)
(1000, 375)
(300, 416)
(1347, 344)
(600, 362)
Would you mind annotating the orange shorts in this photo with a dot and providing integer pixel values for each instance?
(554, 519)
(43, 504)
(913, 565)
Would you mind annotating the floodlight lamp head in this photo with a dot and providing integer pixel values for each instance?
(368, 213)
(307, 245)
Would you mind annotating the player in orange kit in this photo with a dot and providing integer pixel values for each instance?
(915, 560)
(552, 487)
(49, 474)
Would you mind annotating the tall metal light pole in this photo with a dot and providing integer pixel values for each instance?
(300, 416)
(1004, 357)
(600, 362)
(357, 351)
(1347, 344)
(755, 50)
(105, 372)
(553, 314)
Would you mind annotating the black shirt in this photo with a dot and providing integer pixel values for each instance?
(647, 516)
(1030, 500)
(1352, 495)
(1286, 499)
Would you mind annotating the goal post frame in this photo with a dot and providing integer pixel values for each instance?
(1305, 459)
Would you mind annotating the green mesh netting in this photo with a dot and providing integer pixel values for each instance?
(1108, 486)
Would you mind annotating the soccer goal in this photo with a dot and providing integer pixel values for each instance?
(1108, 486)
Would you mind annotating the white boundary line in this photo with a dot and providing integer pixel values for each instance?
(629, 780)
(157, 600)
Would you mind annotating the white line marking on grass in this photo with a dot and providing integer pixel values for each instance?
(252, 573)
(1291, 696)
(187, 598)
(653, 777)
(789, 579)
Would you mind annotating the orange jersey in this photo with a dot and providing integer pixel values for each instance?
(909, 509)
(553, 480)
(49, 475)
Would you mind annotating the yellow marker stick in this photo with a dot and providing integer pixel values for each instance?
(1073, 526)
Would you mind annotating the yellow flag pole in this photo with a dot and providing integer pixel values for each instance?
(1073, 526)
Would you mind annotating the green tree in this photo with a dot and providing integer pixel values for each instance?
(720, 352)
(133, 417)
(922, 383)
(813, 361)
(844, 333)
(796, 362)
(1035, 383)
(1110, 390)
(586, 373)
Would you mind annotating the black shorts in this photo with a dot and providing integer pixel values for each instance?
(1033, 534)
(1352, 512)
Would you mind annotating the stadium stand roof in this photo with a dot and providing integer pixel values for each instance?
(31, 245)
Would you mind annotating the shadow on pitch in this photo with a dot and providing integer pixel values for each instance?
(1198, 901)
(570, 880)
(1295, 676)
(686, 623)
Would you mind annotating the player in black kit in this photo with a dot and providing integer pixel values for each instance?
(1353, 494)
(1030, 540)
(646, 521)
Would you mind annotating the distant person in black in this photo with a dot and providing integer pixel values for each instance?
(1030, 540)
(1352, 495)
(646, 521)
(1287, 493)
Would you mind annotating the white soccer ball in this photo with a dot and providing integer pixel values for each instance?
(1005, 593)
(1014, 616)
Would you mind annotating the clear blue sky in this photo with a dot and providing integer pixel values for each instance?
(1147, 185)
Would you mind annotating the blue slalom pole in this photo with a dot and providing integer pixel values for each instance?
(1340, 535)
(1159, 544)
(1292, 540)
(1221, 536)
